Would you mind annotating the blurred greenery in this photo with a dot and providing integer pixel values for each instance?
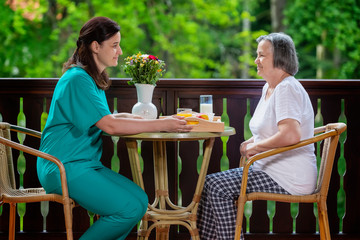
(328, 24)
(196, 38)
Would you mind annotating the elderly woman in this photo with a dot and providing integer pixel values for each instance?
(283, 116)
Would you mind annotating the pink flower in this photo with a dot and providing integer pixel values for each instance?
(153, 57)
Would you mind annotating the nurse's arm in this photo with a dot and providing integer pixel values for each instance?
(124, 126)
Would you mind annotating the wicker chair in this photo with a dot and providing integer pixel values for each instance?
(8, 191)
(330, 134)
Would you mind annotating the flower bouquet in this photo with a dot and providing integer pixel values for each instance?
(144, 68)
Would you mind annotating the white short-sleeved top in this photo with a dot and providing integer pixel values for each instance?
(294, 170)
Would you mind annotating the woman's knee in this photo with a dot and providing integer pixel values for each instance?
(134, 211)
(211, 181)
(138, 205)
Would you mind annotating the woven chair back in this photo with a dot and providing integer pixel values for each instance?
(7, 175)
(327, 162)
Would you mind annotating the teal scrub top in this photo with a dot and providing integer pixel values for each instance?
(70, 133)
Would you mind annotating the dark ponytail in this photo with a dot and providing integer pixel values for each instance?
(96, 29)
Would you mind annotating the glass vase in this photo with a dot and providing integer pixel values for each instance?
(144, 107)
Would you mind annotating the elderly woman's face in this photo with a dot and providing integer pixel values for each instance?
(264, 59)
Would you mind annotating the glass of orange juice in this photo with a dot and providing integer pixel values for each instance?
(185, 112)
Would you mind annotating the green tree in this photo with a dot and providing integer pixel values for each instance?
(197, 39)
(327, 35)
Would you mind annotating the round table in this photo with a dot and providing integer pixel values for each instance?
(162, 212)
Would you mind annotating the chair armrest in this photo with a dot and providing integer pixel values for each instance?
(302, 143)
(335, 129)
(46, 156)
(326, 131)
(25, 130)
(317, 130)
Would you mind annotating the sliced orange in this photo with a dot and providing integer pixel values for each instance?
(203, 116)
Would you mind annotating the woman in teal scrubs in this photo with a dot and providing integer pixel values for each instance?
(78, 115)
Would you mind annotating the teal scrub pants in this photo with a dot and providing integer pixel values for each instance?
(120, 202)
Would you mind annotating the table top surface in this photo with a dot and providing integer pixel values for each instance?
(169, 136)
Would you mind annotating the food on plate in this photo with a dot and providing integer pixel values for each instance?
(203, 116)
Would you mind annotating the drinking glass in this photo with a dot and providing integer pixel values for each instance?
(185, 112)
(206, 104)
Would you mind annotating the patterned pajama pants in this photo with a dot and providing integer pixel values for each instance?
(217, 211)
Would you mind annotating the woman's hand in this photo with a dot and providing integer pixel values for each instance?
(176, 124)
(250, 150)
(244, 145)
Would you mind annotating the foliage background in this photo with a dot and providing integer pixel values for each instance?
(196, 38)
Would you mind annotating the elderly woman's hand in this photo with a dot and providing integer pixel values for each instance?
(243, 146)
(250, 150)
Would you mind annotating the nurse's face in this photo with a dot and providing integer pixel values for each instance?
(107, 53)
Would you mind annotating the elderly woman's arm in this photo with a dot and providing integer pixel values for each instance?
(289, 133)
(243, 146)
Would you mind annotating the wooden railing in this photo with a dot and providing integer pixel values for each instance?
(26, 101)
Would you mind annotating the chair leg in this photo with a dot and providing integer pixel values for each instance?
(323, 221)
(12, 221)
(239, 218)
(68, 220)
(143, 229)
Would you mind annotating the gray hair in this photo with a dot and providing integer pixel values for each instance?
(284, 51)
